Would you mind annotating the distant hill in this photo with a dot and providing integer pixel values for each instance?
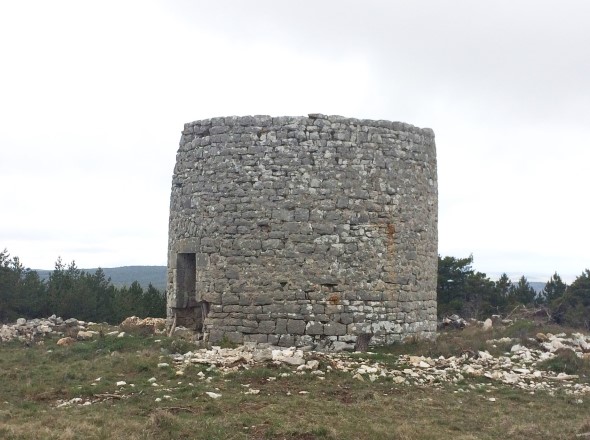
(124, 276)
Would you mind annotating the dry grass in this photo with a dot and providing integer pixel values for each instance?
(339, 407)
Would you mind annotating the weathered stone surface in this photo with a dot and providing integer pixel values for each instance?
(295, 327)
(64, 342)
(85, 335)
(314, 328)
(147, 325)
(334, 329)
(301, 217)
(35, 329)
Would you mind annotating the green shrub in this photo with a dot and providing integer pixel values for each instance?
(567, 361)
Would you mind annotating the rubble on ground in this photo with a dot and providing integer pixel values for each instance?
(148, 325)
(454, 321)
(71, 330)
(35, 330)
(518, 367)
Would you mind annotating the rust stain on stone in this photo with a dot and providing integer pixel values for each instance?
(390, 230)
(390, 233)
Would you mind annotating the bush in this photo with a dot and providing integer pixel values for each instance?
(566, 361)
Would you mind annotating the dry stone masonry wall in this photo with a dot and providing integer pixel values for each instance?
(304, 230)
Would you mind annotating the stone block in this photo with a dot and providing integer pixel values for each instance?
(267, 326)
(258, 338)
(273, 243)
(295, 326)
(314, 328)
(215, 336)
(342, 202)
(346, 318)
(322, 317)
(229, 299)
(286, 341)
(232, 274)
(235, 337)
(212, 297)
(369, 295)
(281, 327)
(262, 299)
(334, 329)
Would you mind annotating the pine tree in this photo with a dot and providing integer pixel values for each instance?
(554, 288)
(573, 307)
(522, 292)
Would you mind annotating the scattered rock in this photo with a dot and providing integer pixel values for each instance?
(487, 325)
(313, 364)
(517, 369)
(454, 321)
(541, 337)
(67, 341)
(85, 335)
(263, 355)
(145, 326)
(289, 356)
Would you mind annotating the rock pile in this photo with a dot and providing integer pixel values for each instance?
(521, 364)
(146, 325)
(249, 354)
(454, 321)
(34, 330)
(519, 367)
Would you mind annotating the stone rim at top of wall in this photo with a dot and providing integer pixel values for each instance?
(192, 128)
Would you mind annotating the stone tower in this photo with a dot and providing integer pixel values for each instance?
(304, 230)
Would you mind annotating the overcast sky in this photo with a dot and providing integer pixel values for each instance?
(93, 96)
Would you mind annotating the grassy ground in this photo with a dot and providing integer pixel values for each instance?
(34, 380)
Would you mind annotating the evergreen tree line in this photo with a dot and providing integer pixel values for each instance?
(72, 293)
(472, 294)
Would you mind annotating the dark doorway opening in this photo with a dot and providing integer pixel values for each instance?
(186, 277)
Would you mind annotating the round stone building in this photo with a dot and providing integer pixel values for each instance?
(304, 231)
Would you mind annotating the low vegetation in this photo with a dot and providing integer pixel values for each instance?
(104, 388)
(471, 294)
(38, 381)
